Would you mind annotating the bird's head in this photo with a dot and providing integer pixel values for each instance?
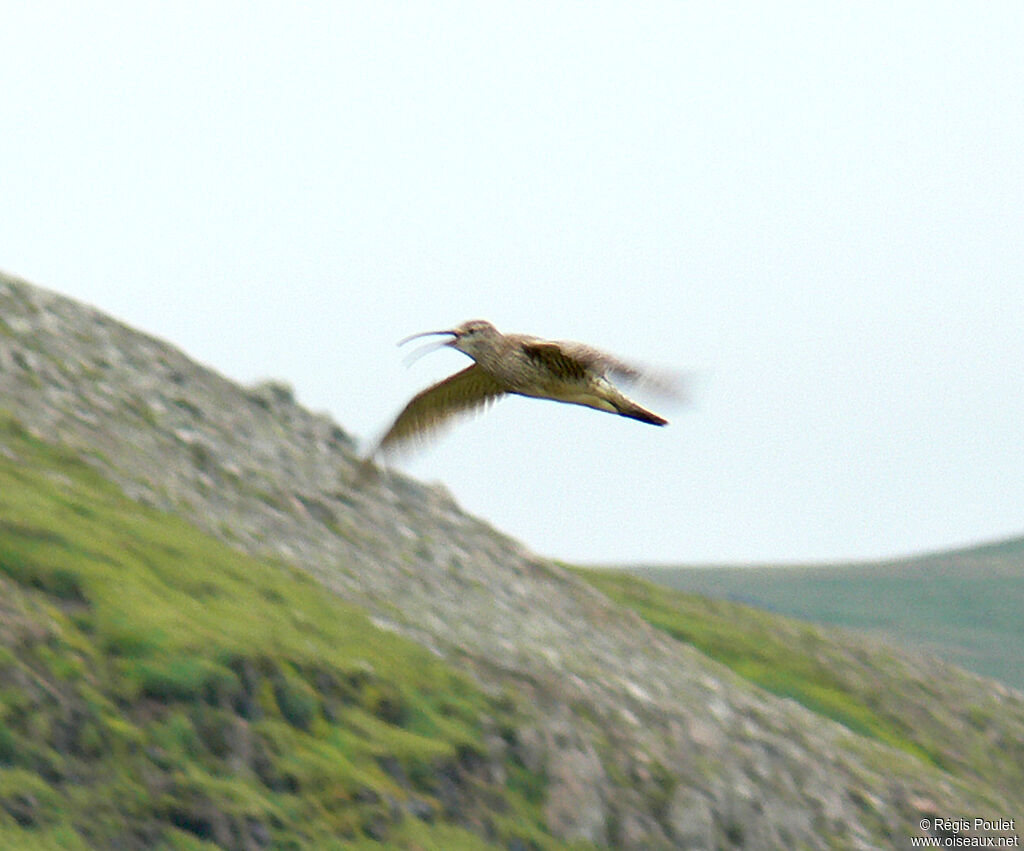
(469, 337)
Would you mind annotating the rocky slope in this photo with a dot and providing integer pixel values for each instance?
(645, 742)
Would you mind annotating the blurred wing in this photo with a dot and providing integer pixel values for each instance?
(555, 358)
(571, 360)
(431, 409)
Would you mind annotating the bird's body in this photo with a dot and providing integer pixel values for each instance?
(516, 364)
(560, 371)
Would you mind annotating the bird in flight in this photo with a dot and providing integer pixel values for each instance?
(527, 366)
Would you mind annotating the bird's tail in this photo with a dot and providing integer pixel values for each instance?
(629, 408)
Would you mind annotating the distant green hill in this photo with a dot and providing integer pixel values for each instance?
(964, 605)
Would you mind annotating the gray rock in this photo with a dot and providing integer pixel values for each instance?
(691, 821)
(575, 808)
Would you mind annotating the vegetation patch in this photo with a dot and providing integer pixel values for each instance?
(964, 605)
(750, 642)
(161, 690)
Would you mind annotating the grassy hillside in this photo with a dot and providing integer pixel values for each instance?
(160, 690)
(862, 686)
(963, 605)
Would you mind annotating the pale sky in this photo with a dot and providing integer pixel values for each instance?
(817, 207)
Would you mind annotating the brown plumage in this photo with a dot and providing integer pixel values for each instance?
(527, 366)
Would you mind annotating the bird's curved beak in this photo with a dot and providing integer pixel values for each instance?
(405, 340)
(416, 354)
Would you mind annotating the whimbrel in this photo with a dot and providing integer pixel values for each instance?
(527, 366)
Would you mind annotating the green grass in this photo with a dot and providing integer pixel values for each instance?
(949, 722)
(160, 690)
(963, 606)
(784, 657)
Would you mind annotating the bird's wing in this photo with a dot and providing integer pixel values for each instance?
(431, 409)
(571, 360)
(556, 358)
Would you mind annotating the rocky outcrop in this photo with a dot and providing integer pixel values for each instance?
(645, 743)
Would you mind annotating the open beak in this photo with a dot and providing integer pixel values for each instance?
(427, 334)
(415, 355)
